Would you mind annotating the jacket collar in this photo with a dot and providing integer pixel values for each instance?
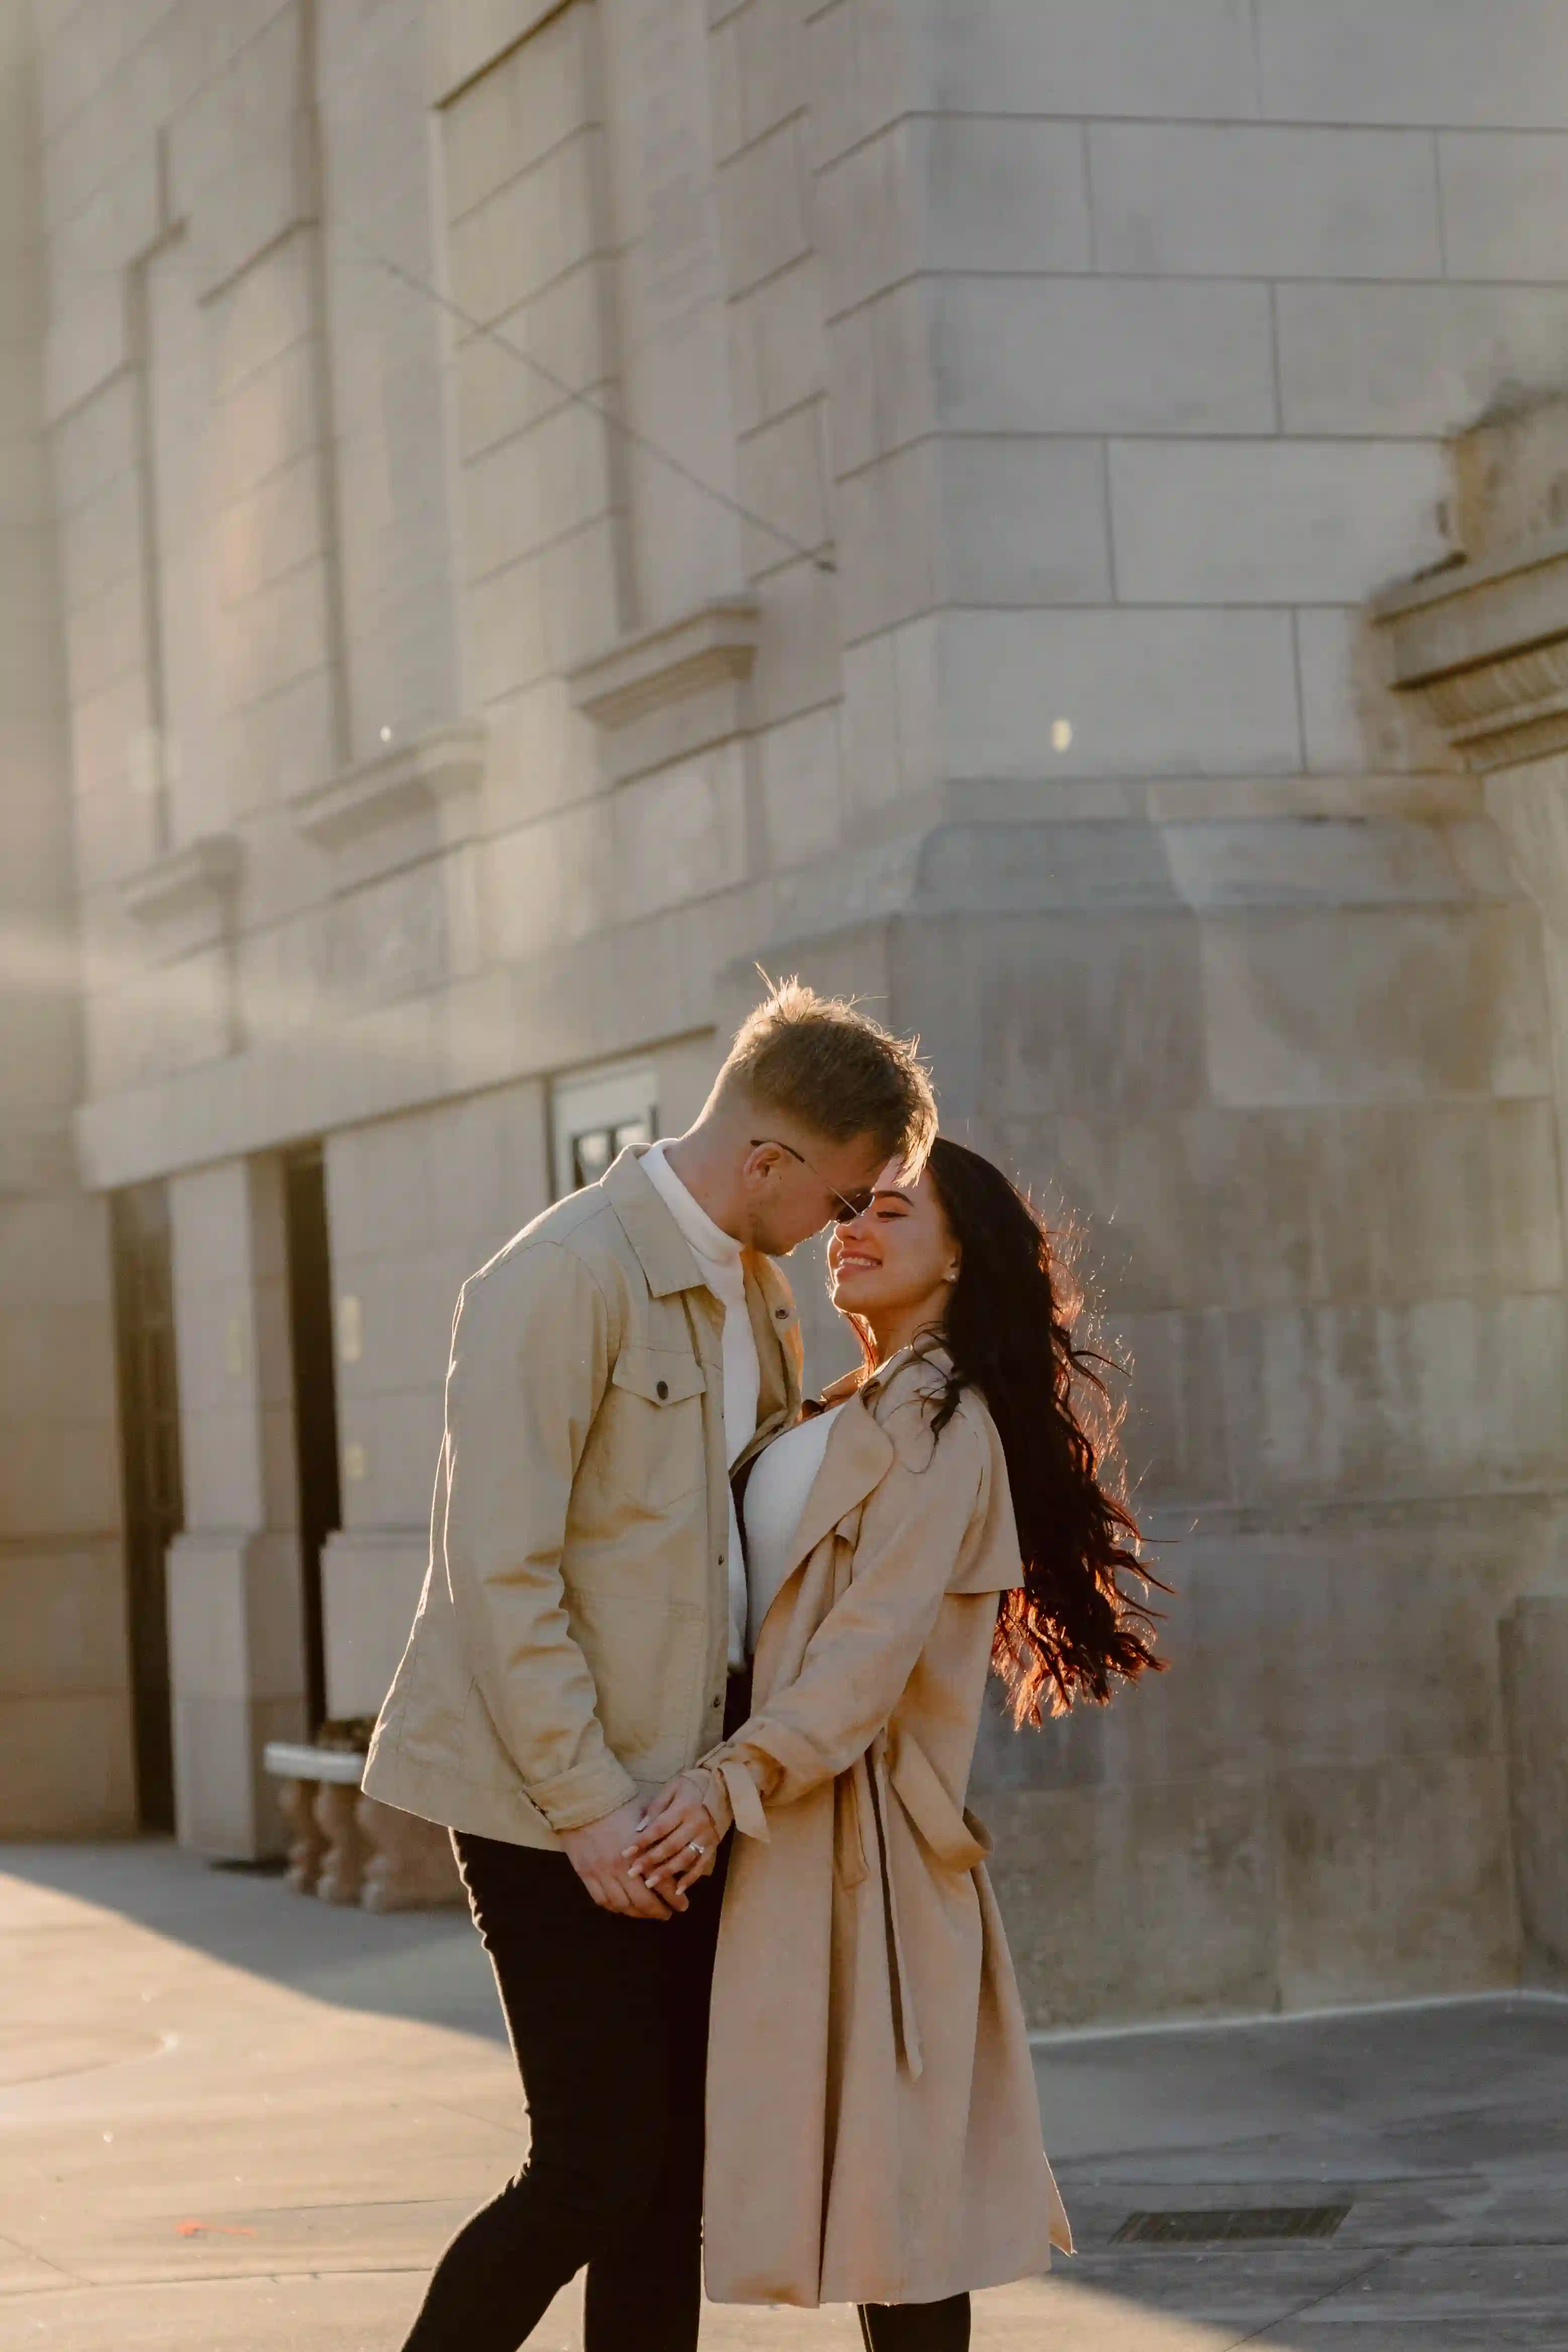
(667, 1259)
(663, 1250)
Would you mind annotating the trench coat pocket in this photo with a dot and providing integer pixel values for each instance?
(959, 1840)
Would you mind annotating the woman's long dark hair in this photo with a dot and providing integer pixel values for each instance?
(1068, 1631)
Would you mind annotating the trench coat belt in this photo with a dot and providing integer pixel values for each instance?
(895, 1767)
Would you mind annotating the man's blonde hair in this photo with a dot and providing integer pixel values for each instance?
(822, 1060)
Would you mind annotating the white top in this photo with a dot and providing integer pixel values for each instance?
(781, 1477)
(719, 1263)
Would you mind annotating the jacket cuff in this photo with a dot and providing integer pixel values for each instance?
(573, 1799)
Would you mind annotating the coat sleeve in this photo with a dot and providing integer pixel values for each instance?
(861, 1655)
(530, 1363)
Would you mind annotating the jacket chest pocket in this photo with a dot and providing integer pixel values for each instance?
(654, 1409)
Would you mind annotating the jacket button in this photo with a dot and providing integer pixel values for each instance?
(717, 1704)
(782, 1313)
(663, 1390)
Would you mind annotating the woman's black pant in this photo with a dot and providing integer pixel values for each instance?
(916, 2326)
(607, 2019)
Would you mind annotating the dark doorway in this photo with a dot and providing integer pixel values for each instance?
(150, 1474)
(315, 1397)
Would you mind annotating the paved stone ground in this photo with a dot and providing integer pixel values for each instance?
(231, 2121)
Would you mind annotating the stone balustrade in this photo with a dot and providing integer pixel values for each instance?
(346, 1847)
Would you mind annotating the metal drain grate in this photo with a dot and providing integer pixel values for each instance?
(1229, 2225)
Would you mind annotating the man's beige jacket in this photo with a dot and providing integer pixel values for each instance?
(571, 1641)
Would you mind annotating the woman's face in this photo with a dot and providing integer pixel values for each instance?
(894, 1264)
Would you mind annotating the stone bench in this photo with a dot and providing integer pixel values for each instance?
(345, 1847)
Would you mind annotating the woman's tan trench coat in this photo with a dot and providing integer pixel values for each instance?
(874, 2134)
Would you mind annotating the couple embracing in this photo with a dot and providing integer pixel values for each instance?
(696, 1682)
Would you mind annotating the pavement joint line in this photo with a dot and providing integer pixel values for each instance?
(1282, 2318)
(1046, 2037)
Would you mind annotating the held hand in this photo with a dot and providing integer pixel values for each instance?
(597, 1853)
(677, 1843)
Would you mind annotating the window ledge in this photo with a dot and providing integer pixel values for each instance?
(416, 778)
(195, 885)
(713, 647)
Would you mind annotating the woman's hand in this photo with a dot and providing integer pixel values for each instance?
(677, 1843)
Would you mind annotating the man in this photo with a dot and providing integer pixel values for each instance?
(582, 1628)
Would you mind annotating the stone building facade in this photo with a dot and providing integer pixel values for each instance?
(514, 512)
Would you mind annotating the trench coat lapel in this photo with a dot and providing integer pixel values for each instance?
(853, 1465)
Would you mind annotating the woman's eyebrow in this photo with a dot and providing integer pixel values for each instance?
(889, 1192)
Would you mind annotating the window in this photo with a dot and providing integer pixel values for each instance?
(595, 1115)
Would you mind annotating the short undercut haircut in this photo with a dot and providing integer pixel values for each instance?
(822, 1061)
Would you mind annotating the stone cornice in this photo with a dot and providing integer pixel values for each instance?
(1486, 647)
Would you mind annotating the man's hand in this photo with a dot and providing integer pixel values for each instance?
(596, 1855)
(676, 1843)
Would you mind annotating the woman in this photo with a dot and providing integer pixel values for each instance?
(874, 2136)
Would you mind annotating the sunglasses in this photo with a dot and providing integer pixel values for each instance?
(850, 1204)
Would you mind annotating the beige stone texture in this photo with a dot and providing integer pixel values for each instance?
(1106, 355)
(65, 1765)
(1090, 57)
(1269, 522)
(1476, 62)
(1207, 201)
(1422, 359)
(1142, 691)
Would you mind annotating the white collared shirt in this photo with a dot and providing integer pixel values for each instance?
(718, 1259)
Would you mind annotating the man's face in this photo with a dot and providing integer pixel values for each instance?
(797, 1182)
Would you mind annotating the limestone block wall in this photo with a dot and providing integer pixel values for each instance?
(65, 1730)
(1344, 1323)
(1064, 378)
(1214, 930)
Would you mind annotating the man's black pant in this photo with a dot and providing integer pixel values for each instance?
(608, 2019)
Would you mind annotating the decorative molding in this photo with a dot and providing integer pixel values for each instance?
(713, 647)
(1486, 647)
(194, 887)
(418, 779)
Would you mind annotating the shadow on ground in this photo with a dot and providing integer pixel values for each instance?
(427, 1966)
